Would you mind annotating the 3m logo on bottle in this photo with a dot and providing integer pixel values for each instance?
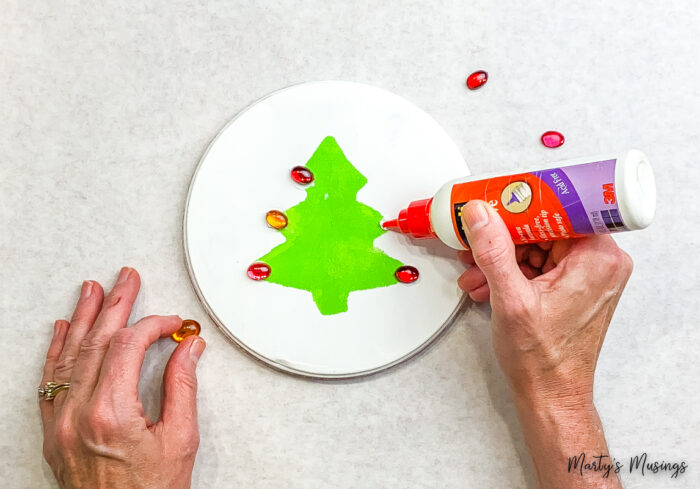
(609, 193)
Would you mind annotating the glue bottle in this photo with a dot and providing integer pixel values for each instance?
(573, 199)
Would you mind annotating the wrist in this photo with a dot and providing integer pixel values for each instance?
(543, 409)
(553, 409)
(547, 385)
(562, 434)
(571, 400)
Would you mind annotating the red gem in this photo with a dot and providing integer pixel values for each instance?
(477, 79)
(302, 175)
(259, 271)
(552, 139)
(406, 274)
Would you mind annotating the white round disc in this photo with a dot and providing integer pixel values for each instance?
(405, 156)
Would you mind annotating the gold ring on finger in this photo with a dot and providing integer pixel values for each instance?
(50, 389)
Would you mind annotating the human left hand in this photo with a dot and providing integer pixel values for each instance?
(96, 434)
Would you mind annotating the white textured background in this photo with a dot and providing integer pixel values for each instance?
(105, 110)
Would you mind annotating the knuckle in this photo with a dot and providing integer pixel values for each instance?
(517, 310)
(185, 380)
(627, 264)
(97, 420)
(47, 449)
(520, 309)
(191, 440)
(92, 342)
(112, 300)
(188, 440)
(64, 435)
(124, 338)
(159, 319)
(82, 314)
(618, 263)
(184, 443)
(605, 264)
(64, 366)
(52, 354)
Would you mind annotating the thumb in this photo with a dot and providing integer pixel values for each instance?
(492, 247)
(180, 387)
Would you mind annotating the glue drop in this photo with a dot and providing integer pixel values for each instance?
(573, 199)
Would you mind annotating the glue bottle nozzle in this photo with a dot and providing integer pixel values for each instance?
(391, 225)
(414, 220)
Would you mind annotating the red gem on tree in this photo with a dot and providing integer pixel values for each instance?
(552, 139)
(302, 175)
(259, 271)
(406, 274)
(477, 79)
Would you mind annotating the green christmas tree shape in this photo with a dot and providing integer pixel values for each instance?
(329, 248)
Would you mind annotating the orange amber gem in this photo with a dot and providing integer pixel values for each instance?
(188, 328)
(276, 219)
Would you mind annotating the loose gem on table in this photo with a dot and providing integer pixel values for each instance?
(552, 139)
(477, 79)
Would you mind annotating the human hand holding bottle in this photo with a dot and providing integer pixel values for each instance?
(551, 307)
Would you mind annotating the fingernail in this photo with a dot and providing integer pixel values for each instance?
(56, 328)
(474, 215)
(124, 275)
(196, 348)
(86, 289)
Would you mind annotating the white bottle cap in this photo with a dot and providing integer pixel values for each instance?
(635, 190)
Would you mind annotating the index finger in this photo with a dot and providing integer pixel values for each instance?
(122, 364)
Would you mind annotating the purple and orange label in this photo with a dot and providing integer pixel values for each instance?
(566, 202)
